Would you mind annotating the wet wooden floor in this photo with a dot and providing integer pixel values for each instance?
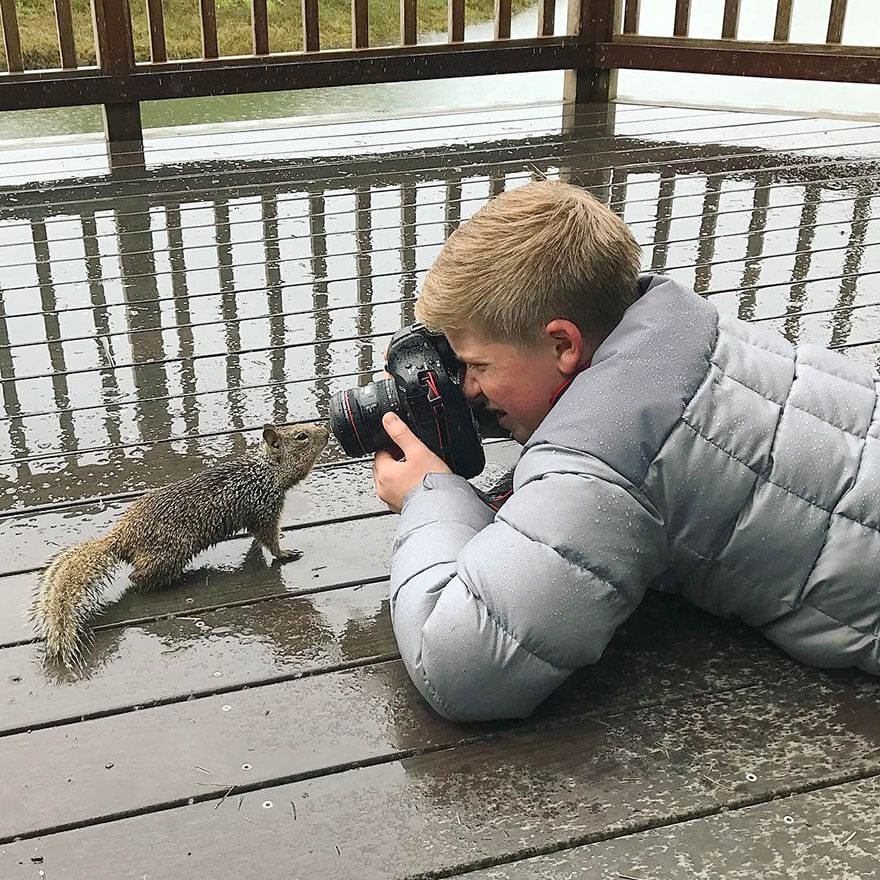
(255, 720)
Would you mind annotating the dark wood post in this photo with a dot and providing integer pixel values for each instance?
(115, 49)
(593, 21)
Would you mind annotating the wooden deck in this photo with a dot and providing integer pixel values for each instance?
(255, 721)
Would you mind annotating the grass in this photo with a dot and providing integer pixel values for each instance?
(39, 38)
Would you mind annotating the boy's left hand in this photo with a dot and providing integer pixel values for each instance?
(394, 477)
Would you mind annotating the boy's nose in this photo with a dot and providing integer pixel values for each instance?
(470, 387)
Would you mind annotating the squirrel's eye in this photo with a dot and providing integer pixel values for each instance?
(302, 436)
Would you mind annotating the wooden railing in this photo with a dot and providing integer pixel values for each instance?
(602, 37)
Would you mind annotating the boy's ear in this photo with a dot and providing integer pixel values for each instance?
(569, 345)
(271, 436)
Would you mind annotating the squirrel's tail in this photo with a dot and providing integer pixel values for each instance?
(71, 591)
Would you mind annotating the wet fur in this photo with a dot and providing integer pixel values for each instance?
(165, 528)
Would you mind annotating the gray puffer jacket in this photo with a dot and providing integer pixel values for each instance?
(696, 446)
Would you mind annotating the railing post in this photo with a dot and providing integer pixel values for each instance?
(115, 50)
(593, 21)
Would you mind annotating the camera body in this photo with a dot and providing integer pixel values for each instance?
(425, 391)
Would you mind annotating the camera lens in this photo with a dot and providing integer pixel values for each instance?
(356, 416)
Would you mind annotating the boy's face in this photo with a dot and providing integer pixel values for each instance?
(516, 384)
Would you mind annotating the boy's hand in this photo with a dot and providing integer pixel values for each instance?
(393, 477)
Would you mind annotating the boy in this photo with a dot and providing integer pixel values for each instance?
(661, 443)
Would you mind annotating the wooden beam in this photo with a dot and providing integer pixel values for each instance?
(11, 36)
(455, 27)
(156, 23)
(360, 24)
(631, 17)
(546, 18)
(66, 44)
(682, 23)
(836, 18)
(593, 21)
(208, 14)
(782, 27)
(502, 18)
(260, 23)
(286, 71)
(730, 22)
(798, 61)
(408, 22)
(311, 30)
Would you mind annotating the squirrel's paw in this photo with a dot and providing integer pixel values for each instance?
(288, 555)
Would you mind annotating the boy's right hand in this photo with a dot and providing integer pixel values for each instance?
(394, 477)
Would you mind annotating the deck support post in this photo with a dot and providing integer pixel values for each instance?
(592, 21)
(114, 45)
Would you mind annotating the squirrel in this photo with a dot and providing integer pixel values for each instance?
(165, 528)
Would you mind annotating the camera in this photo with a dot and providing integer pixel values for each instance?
(425, 391)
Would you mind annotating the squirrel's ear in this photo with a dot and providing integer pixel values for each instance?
(270, 435)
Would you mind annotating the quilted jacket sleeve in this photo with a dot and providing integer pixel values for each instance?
(493, 612)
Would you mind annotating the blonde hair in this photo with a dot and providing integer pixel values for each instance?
(545, 250)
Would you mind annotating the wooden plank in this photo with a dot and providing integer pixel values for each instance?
(682, 21)
(546, 18)
(654, 53)
(631, 17)
(730, 21)
(34, 539)
(408, 22)
(595, 22)
(502, 19)
(782, 25)
(11, 36)
(360, 24)
(373, 759)
(836, 18)
(156, 24)
(234, 76)
(174, 659)
(737, 843)
(260, 24)
(455, 20)
(64, 23)
(208, 18)
(114, 44)
(231, 573)
(311, 26)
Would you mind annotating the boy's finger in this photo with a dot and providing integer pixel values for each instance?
(399, 431)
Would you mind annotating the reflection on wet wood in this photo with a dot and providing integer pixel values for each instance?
(737, 844)
(150, 326)
(493, 800)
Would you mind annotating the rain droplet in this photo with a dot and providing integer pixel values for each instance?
(226, 708)
(245, 766)
(267, 805)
